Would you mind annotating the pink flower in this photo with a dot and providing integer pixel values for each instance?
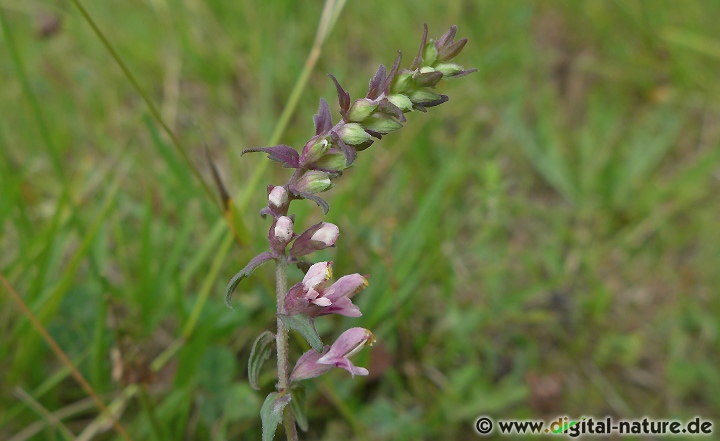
(317, 237)
(314, 298)
(313, 364)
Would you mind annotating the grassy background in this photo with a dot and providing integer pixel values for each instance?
(544, 244)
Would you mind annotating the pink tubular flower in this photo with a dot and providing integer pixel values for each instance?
(312, 297)
(313, 364)
(317, 237)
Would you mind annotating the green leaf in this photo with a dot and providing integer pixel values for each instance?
(303, 324)
(245, 272)
(298, 407)
(271, 414)
(261, 350)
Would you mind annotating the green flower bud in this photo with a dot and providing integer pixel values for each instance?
(353, 134)
(313, 181)
(314, 150)
(333, 161)
(381, 123)
(403, 82)
(426, 69)
(401, 101)
(361, 109)
(448, 69)
(430, 54)
(423, 96)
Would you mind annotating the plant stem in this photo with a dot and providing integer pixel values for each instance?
(282, 344)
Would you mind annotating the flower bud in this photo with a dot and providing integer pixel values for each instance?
(381, 123)
(361, 109)
(280, 234)
(401, 101)
(403, 82)
(334, 160)
(423, 97)
(430, 54)
(314, 149)
(313, 181)
(284, 230)
(278, 197)
(353, 134)
(449, 69)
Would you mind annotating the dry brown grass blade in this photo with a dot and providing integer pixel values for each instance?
(64, 359)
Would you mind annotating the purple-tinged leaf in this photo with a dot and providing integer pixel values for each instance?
(462, 73)
(446, 38)
(417, 62)
(284, 154)
(364, 145)
(349, 151)
(318, 200)
(375, 134)
(428, 79)
(245, 272)
(391, 109)
(323, 119)
(377, 83)
(391, 75)
(450, 51)
(343, 98)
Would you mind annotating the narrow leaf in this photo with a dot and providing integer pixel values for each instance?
(245, 272)
(391, 75)
(377, 82)
(261, 351)
(343, 97)
(298, 406)
(285, 154)
(303, 324)
(271, 414)
(417, 62)
(323, 119)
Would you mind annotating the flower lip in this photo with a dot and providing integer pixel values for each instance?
(317, 275)
(348, 344)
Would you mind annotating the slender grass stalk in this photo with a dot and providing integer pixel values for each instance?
(48, 416)
(149, 407)
(30, 96)
(151, 106)
(64, 359)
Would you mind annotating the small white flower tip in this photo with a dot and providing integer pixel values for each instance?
(327, 234)
(284, 229)
(278, 197)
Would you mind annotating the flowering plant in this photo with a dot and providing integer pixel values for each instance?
(323, 158)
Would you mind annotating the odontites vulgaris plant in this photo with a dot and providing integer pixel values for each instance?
(323, 158)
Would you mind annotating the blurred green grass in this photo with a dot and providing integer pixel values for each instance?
(544, 244)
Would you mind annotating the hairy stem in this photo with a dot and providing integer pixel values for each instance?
(281, 339)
